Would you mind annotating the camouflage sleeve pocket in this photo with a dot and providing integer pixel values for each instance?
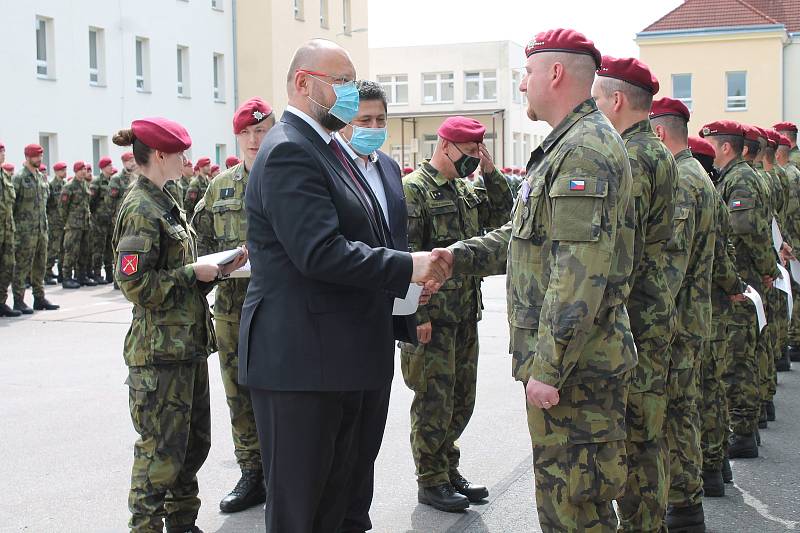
(742, 215)
(412, 363)
(578, 208)
(679, 241)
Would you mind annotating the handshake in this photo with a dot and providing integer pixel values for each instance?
(432, 269)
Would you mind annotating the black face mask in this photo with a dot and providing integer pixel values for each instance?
(464, 165)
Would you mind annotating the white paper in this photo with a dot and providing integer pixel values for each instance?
(220, 258)
(785, 285)
(243, 272)
(794, 266)
(751, 293)
(777, 238)
(408, 305)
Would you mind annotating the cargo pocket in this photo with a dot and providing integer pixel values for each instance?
(679, 241)
(445, 223)
(578, 208)
(412, 363)
(226, 228)
(597, 472)
(142, 385)
(523, 217)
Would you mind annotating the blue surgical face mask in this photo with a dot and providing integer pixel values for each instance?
(345, 108)
(366, 140)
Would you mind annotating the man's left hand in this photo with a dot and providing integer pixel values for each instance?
(487, 164)
(541, 395)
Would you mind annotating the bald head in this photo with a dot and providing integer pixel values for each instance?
(320, 55)
(555, 83)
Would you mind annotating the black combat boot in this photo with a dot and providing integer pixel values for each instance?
(87, 281)
(443, 497)
(183, 529)
(713, 484)
(6, 311)
(70, 283)
(249, 491)
(109, 274)
(770, 408)
(474, 493)
(22, 307)
(42, 304)
(784, 363)
(98, 278)
(743, 446)
(49, 278)
(762, 419)
(794, 353)
(727, 473)
(686, 519)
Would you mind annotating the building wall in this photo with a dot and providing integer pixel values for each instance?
(708, 58)
(69, 107)
(268, 35)
(791, 78)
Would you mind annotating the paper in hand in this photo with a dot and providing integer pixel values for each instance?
(754, 297)
(220, 258)
(408, 305)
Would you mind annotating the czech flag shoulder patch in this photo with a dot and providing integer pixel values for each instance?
(736, 203)
(129, 264)
(577, 185)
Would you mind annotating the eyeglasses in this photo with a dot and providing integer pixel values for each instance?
(337, 80)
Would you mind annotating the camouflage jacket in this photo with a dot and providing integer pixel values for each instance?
(569, 256)
(195, 191)
(793, 203)
(98, 200)
(221, 224)
(30, 206)
(54, 202)
(183, 186)
(725, 275)
(690, 251)
(780, 188)
(7, 200)
(155, 248)
(74, 206)
(117, 189)
(441, 212)
(794, 157)
(655, 180)
(750, 220)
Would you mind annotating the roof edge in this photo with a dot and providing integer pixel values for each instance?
(760, 28)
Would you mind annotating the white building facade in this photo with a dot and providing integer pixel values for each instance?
(76, 72)
(426, 84)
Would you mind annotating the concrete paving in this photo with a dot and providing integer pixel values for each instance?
(66, 437)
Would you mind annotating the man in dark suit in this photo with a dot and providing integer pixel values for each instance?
(361, 140)
(316, 328)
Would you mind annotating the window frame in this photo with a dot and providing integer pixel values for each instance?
(390, 87)
(218, 77)
(183, 86)
(481, 81)
(734, 99)
(686, 101)
(142, 55)
(298, 8)
(438, 83)
(324, 14)
(45, 66)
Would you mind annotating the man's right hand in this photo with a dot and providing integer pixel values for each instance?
(429, 269)
(424, 333)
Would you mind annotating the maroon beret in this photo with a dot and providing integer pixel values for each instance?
(701, 146)
(722, 127)
(462, 130)
(231, 161)
(202, 162)
(563, 40)
(104, 162)
(407, 170)
(669, 106)
(60, 166)
(772, 137)
(249, 113)
(127, 156)
(8, 167)
(78, 166)
(42, 168)
(752, 133)
(88, 165)
(32, 150)
(214, 168)
(783, 140)
(785, 126)
(629, 70)
(162, 134)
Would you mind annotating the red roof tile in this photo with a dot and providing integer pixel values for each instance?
(694, 14)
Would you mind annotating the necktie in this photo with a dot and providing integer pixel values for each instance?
(341, 157)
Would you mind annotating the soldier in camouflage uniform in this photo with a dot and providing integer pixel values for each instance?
(102, 255)
(74, 207)
(624, 92)
(119, 184)
(568, 251)
(55, 224)
(183, 183)
(789, 130)
(739, 187)
(7, 237)
(170, 337)
(782, 158)
(198, 185)
(444, 207)
(30, 220)
(221, 224)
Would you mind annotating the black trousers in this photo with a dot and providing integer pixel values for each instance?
(372, 422)
(307, 441)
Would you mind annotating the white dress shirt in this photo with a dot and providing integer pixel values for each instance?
(369, 169)
(326, 137)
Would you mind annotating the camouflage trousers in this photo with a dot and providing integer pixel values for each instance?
(442, 374)
(31, 261)
(741, 374)
(76, 249)
(579, 457)
(55, 245)
(714, 417)
(793, 335)
(102, 253)
(683, 422)
(243, 422)
(780, 305)
(7, 261)
(765, 348)
(171, 413)
(643, 505)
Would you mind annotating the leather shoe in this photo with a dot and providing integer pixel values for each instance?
(686, 519)
(727, 473)
(23, 308)
(249, 491)
(443, 497)
(474, 493)
(99, 279)
(6, 311)
(70, 283)
(87, 281)
(713, 484)
(743, 446)
(44, 305)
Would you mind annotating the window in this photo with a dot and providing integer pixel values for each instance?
(48, 143)
(516, 79)
(429, 145)
(219, 78)
(297, 6)
(323, 14)
(480, 86)
(220, 153)
(396, 87)
(182, 68)
(216, 4)
(99, 149)
(45, 54)
(737, 91)
(437, 88)
(682, 89)
(347, 26)
(142, 64)
(526, 148)
(97, 66)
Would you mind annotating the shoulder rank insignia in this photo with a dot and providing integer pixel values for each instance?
(227, 193)
(436, 195)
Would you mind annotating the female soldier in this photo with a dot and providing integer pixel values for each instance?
(170, 336)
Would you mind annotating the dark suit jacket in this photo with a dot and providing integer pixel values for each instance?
(318, 311)
(405, 328)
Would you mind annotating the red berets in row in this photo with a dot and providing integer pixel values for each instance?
(701, 146)
(563, 40)
(462, 130)
(630, 70)
(232, 160)
(722, 127)
(202, 162)
(669, 106)
(785, 126)
(162, 134)
(250, 113)
(104, 162)
(60, 166)
(33, 150)
(78, 166)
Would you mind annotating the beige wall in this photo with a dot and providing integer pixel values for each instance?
(268, 34)
(708, 58)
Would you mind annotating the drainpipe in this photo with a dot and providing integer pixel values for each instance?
(235, 67)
